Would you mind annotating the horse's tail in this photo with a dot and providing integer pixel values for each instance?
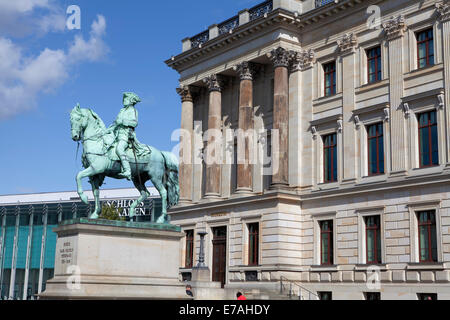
(172, 186)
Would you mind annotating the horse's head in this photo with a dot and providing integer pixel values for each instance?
(78, 122)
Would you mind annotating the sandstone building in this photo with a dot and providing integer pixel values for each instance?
(349, 101)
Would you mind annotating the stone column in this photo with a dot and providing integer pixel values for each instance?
(245, 132)
(186, 140)
(347, 47)
(394, 30)
(443, 10)
(301, 164)
(213, 156)
(280, 58)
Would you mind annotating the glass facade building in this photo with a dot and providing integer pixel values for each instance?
(27, 240)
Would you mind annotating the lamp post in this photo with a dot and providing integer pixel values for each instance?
(201, 255)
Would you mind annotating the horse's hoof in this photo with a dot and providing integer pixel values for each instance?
(161, 219)
(93, 216)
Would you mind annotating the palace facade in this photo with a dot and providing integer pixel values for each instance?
(341, 188)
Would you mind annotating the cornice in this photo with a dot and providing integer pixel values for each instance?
(278, 17)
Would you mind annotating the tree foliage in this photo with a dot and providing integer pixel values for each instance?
(111, 212)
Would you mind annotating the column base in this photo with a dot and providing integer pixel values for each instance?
(213, 196)
(244, 191)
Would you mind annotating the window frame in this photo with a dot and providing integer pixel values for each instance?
(378, 239)
(430, 142)
(378, 64)
(427, 46)
(333, 83)
(377, 137)
(330, 242)
(429, 224)
(334, 158)
(189, 240)
(255, 252)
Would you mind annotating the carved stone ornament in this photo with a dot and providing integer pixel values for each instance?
(214, 82)
(406, 109)
(395, 27)
(348, 43)
(340, 125)
(302, 60)
(185, 94)
(280, 57)
(441, 99)
(246, 70)
(387, 113)
(443, 11)
(357, 122)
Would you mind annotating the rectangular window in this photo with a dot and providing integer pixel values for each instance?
(329, 70)
(428, 139)
(425, 48)
(374, 64)
(189, 261)
(372, 296)
(330, 158)
(326, 242)
(373, 239)
(253, 244)
(375, 142)
(325, 295)
(427, 236)
(427, 296)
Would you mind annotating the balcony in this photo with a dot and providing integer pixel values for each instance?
(229, 25)
(321, 3)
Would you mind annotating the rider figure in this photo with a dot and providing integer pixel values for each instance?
(124, 126)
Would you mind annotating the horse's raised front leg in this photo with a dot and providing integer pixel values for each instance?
(144, 195)
(96, 192)
(89, 172)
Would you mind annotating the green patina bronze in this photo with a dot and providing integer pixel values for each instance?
(115, 152)
(126, 224)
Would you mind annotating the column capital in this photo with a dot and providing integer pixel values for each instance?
(185, 93)
(280, 57)
(443, 11)
(348, 43)
(214, 82)
(302, 60)
(246, 70)
(395, 27)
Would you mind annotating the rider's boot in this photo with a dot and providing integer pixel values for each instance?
(126, 169)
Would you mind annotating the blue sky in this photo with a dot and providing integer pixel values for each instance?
(45, 69)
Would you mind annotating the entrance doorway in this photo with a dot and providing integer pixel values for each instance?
(219, 254)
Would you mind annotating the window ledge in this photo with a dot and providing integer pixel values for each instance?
(371, 86)
(424, 70)
(326, 99)
(425, 266)
(321, 268)
(372, 179)
(415, 172)
(364, 267)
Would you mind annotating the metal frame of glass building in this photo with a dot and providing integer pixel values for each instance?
(27, 240)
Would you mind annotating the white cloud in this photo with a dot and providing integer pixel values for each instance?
(24, 17)
(23, 78)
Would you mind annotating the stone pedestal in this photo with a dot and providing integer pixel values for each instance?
(100, 259)
(203, 288)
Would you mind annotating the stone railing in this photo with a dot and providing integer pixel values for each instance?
(320, 3)
(229, 25)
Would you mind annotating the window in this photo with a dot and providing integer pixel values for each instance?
(372, 296)
(428, 139)
(374, 64)
(427, 236)
(189, 261)
(425, 48)
(330, 157)
(375, 149)
(325, 295)
(326, 242)
(329, 70)
(373, 239)
(253, 244)
(427, 296)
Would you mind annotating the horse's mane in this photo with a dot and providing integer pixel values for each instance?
(98, 120)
